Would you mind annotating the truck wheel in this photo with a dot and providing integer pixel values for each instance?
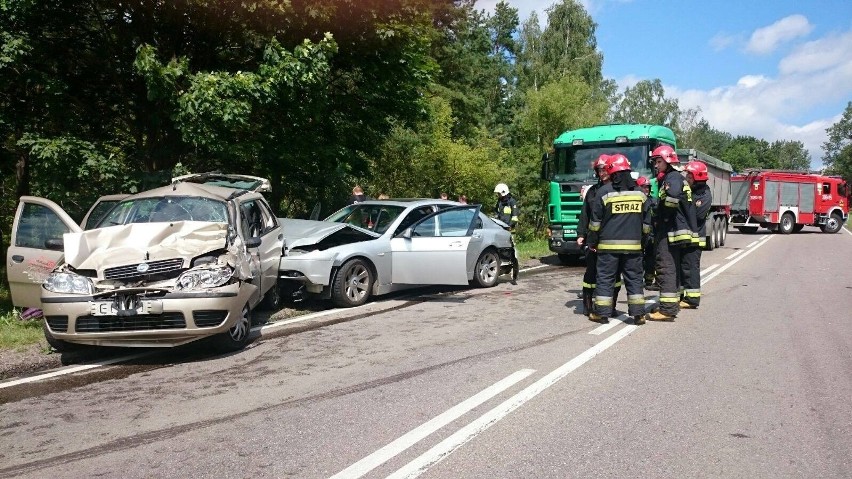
(788, 222)
(833, 225)
(353, 284)
(724, 223)
(719, 241)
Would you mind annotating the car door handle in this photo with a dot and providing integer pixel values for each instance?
(17, 258)
(455, 244)
(477, 236)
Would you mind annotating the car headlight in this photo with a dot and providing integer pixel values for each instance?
(69, 283)
(205, 277)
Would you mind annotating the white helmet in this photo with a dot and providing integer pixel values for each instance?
(502, 189)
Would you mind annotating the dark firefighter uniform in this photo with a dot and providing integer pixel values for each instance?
(619, 220)
(590, 276)
(507, 210)
(690, 261)
(674, 229)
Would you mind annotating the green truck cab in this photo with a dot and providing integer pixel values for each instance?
(569, 170)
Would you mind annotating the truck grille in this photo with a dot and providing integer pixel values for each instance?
(154, 267)
(140, 322)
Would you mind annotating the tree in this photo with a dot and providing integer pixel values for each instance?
(789, 155)
(646, 102)
(838, 148)
(702, 136)
(568, 44)
(748, 152)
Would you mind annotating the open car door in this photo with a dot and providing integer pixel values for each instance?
(29, 259)
(434, 250)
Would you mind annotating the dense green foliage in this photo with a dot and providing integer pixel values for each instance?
(838, 148)
(406, 97)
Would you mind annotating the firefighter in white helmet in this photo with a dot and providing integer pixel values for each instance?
(507, 207)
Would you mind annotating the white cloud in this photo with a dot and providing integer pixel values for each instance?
(767, 39)
(812, 76)
(723, 40)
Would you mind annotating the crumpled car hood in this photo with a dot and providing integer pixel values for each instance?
(309, 232)
(137, 242)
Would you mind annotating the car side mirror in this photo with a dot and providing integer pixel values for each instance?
(253, 242)
(55, 244)
(407, 233)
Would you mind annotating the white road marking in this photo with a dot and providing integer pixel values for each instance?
(847, 230)
(728, 265)
(753, 243)
(613, 322)
(737, 252)
(469, 432)
(709, 269)
(72, 369)
(381, 456)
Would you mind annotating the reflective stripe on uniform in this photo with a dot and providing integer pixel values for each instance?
(589, 285)
(603, 301)
(605, 246)
(692, 293)
(671, 202)
(594, 225)
(635, 299)
(669, 297)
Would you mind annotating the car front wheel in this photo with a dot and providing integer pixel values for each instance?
(487, 269)
(237, 337)
(353, 284)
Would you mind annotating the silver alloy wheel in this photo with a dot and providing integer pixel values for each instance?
(487, 268)
(241, 328)
(357, 282)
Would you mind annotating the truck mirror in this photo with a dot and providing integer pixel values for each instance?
(545, 167)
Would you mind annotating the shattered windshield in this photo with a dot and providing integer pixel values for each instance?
(575, 164)
(166, 209)
(375, 217)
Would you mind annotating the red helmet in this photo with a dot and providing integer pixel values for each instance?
(698, 170)
(616, 163)
(665, 152)
(601, 161)
(642, 181)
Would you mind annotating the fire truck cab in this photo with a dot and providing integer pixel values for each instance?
(786, 202)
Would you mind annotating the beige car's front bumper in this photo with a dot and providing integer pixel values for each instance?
(176, 317)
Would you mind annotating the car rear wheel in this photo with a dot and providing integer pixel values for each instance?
(487, 269)
(237, 337)
(353, 284)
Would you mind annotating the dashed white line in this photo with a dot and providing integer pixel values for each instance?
(753, 243)
(381, 456)
(736, 253)
(728, 265)
(469, 432)
(709, 269)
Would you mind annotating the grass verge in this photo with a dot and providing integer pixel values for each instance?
(533, 249)
(14, 333)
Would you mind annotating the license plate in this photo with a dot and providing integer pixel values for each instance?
(567, 233)
(107, 308)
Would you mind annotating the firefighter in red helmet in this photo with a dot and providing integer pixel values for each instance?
(590, 276)
(649, 256)
(672, 229)
(620, 218)
(690, 261)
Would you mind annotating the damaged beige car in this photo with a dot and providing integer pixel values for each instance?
(161, 268)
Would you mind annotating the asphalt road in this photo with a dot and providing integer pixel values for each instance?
(505, 382)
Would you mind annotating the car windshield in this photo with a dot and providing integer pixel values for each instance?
(375, 217)
(575, 164)
(166, 209)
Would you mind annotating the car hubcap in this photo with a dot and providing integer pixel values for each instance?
(832, 223)
(488, 268)
(357, 283)
(240, 330)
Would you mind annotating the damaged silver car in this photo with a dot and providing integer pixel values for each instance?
(161, 268)
(379, 246)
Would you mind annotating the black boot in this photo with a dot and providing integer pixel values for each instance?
(588, 301)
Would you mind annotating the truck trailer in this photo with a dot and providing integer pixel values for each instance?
(719, 181)
(787, 201)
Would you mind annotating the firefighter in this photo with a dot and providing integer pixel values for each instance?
(690, 262)
(648, 253)
(672, 229)
(507, 207)
(620, 219)
(589, 278)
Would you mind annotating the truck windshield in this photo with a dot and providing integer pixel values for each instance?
(575, 164)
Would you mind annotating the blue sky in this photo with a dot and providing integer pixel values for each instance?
(777, 70)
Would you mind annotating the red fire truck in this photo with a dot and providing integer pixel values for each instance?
(787, 201)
